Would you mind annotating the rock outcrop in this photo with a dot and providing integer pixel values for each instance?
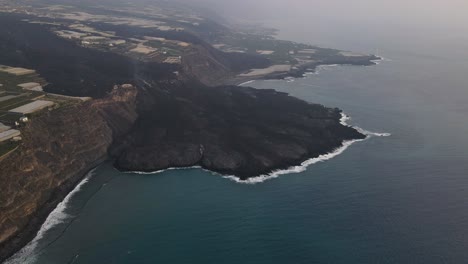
(232, 130)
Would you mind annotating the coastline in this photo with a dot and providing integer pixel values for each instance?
(45, 221)
(27, 235)
(300, 72)
(23, 254)
(56, 217)
(74, 178)
(303, 165)
(31, 231)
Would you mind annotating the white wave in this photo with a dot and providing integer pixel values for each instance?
(380, 60)
(319, 68)
(309, 162)
(57, 216)
(345, 118)
(289, 79)
(295, 169)
(247, 82)
(161, 171)
(370, 133)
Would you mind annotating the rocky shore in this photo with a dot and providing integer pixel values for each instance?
(229, 129)
(300, 70)
(232, 130)
(172, 116)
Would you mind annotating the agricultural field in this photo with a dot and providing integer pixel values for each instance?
(17, 91)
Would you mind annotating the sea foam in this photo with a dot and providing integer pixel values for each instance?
(295, 169)
(28, 253)
(161, 171)
(309, 162)
(380, 60)
(247, 82)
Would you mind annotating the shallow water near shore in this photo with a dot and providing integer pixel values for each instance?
(397, 199)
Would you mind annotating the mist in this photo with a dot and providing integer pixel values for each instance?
(415, 11)
(359, 24)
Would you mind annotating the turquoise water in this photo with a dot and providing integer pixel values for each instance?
(398, 199)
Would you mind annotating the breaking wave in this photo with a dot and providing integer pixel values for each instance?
(56, 217)
(319, 68)
(295, 169)
(165, 170)
(380, 60)
(309, 162)
(247, 82)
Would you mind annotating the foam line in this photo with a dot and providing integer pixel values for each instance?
(294, 169)
(57, 216)
(247, 82)
(324, 67)
(309, 162)
(161, 171)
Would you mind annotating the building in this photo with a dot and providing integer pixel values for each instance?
(32, 107)
(3, 128)
(173, 60)
(117, 42)
(16, 71)
(9, 134)
(32, 86)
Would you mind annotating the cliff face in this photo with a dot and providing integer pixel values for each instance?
(180, 120)
(58, 148)
(233, 130)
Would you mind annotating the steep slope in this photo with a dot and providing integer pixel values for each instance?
(233, 130)
(58, 148)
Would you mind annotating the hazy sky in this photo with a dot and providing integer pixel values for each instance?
(337, 21)
(443, 12)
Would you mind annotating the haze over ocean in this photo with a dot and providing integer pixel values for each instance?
(398, 199)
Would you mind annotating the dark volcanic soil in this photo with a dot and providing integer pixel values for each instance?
(232, 130)
(181, 121)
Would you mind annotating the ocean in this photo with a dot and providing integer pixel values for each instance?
(396, 199)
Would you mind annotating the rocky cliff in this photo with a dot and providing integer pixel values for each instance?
(176, 119)
(58, 148)
(229, 129)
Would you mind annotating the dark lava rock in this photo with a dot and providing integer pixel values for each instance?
(231, 130)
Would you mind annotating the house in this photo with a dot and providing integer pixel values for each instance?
(32, 107)
(16, 71)
(32, 86)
